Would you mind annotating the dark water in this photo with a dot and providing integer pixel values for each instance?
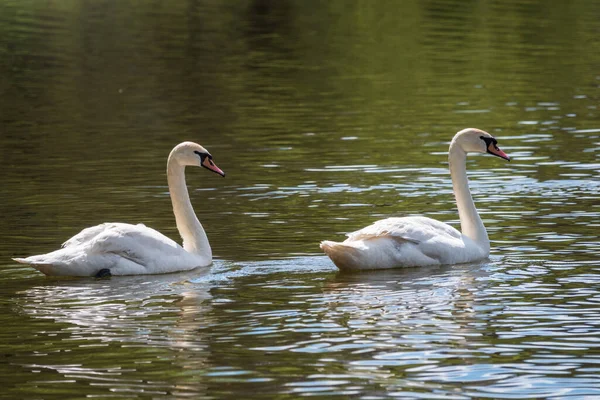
(326, 116)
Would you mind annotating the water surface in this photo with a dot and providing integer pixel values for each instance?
(326, 116)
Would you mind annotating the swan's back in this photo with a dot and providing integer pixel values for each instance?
(413, 229)
(88, 234)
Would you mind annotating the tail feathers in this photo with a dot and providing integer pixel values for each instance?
(30, 261)
(344, 256)
(41, 266)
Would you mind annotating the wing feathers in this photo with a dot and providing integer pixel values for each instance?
(409, 229)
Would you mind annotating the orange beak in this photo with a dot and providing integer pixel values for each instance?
(495, 150)
(208, 163)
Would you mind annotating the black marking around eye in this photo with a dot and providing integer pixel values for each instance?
(488, 142)
(203, 155)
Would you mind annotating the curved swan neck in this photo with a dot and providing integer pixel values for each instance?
(470, 222)
(190, 229)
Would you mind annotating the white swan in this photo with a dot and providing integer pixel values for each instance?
(125, 249)
(421, 241)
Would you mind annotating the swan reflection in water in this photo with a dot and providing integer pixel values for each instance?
(151, 309)
(141, 320)
(401, 318)
(379, 318)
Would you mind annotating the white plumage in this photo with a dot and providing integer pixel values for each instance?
(127, 249)
(422, 241)
(397, 242)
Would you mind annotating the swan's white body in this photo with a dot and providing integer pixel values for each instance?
(127, 249)
(421, 241)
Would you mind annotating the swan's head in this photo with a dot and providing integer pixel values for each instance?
(473, 140)
(192, 154)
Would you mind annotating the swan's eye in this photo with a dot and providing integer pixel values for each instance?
(489, 141)
(202, 155)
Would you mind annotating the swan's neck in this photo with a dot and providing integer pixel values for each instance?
(190, 229)
(470, 222)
